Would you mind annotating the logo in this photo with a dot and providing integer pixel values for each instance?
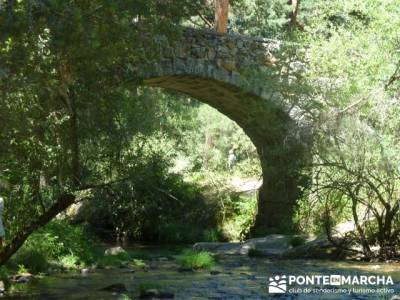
(277, 284)
(330, 284)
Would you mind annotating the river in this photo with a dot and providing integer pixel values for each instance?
(233, 277)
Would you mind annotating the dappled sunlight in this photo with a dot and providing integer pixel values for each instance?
(199, 149)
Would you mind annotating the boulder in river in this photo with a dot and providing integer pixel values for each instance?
(114, 251)
(22, 277)
(85, 271)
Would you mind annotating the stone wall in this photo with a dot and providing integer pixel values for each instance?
(230, 52)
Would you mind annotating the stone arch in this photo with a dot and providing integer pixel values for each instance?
(214, 68)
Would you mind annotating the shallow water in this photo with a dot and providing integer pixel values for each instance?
(239, 278)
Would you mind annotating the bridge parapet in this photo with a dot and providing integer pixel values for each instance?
(230, 52)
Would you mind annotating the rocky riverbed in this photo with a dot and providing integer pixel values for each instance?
(233, 277)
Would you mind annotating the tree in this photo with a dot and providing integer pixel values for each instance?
(355, 169)
(356, 177)
(221, 15)
(64, 80)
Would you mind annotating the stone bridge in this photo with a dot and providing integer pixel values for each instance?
(246, 79)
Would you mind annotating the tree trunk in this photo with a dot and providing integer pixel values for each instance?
(74, 143)
(360, 230)
(221, 15)
(68, 98)
(293, 15)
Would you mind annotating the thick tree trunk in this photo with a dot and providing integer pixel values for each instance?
(221, 15)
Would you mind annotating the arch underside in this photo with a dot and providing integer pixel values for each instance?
(262, 120)
(232, 97)
(253, 107)
(229, 100)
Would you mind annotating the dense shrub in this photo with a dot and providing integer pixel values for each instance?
(58, 242)
(152, 205)
(32, 259)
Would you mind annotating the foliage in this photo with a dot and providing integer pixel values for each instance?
(138, 263)
(151, 193)
(65, 78)
(150, 163)
(240, 212)
(4, 274)
(30, 260)
(70, 261)
(57, 243)
(210, 235)
(124, 297)
(357, 176)
(354, 168)
(261, 18)
(196, 259)
(72, 108)
(218, 135)
(59, 239)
